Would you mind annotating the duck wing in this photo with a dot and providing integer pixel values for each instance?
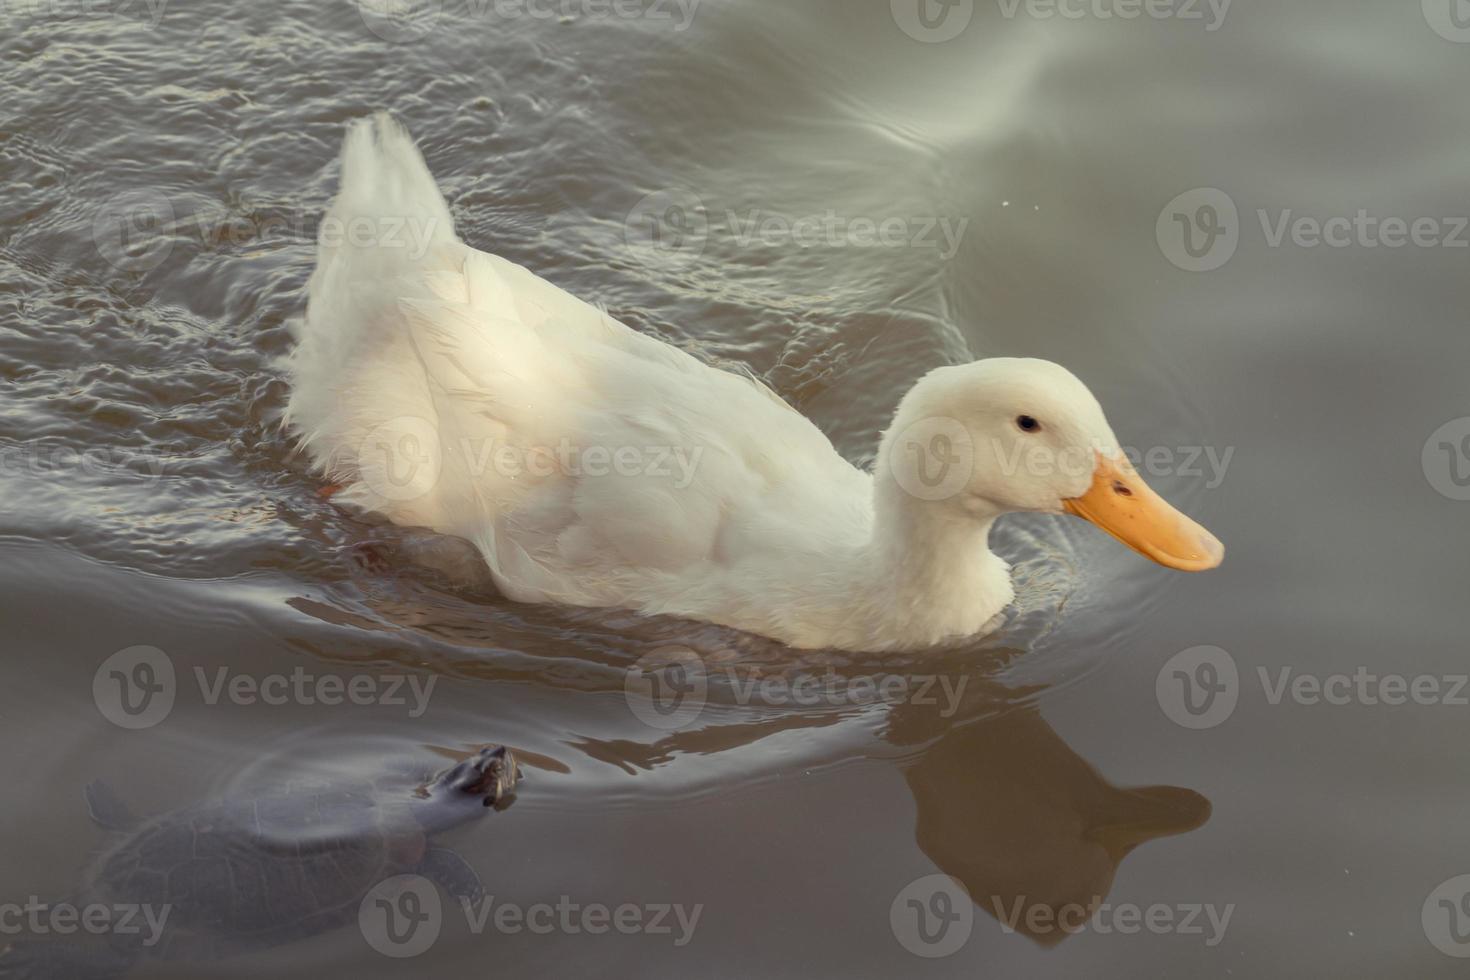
(449, 388)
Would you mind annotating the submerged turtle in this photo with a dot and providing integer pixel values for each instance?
(267, 870)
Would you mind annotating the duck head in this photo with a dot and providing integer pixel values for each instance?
(973, 441)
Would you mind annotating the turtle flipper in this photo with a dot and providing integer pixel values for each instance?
(107, 807)
(452, 873)
(50, 959)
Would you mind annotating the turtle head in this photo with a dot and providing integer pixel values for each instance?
(489, 776)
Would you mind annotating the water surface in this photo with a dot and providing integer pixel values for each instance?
(165, 168)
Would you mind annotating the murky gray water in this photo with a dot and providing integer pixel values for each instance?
(1123, 195)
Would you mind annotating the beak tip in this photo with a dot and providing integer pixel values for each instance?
(1211, 552)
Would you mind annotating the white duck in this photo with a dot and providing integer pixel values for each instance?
(444, 387)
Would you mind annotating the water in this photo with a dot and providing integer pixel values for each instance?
(165, 168)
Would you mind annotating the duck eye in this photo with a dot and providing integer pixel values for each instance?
(1028, 424)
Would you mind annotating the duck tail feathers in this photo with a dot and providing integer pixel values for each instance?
(388, 200)
(384, 238)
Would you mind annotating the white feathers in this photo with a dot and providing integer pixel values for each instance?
(449, 388)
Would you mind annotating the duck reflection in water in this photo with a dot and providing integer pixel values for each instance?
(1032, 831)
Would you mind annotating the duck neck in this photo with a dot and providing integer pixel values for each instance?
(931, 573)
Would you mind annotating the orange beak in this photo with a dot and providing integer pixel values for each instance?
(1123, 505)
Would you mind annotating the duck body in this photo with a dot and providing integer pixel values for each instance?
(445, 387)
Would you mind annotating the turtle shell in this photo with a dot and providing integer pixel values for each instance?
(252, 873)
